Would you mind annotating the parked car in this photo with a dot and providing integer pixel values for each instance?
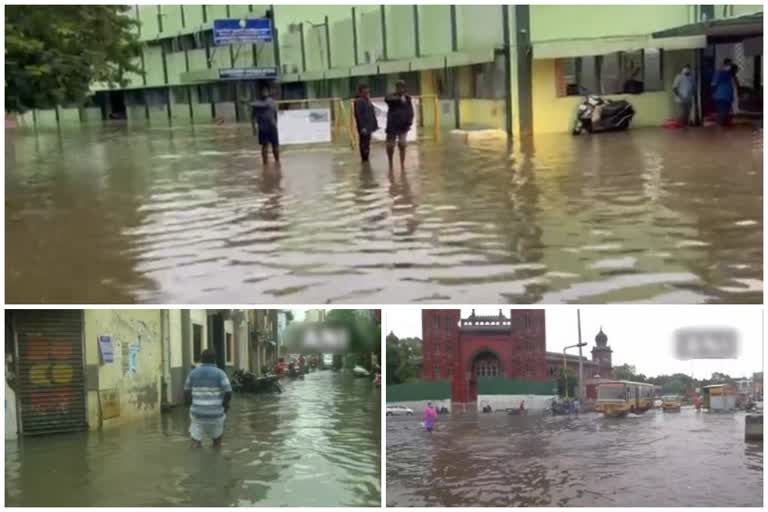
(399, 410)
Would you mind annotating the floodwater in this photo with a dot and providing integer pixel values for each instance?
(656, 459)
(185, 215)
(317, 444)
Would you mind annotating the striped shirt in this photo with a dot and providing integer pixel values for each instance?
(208, 384)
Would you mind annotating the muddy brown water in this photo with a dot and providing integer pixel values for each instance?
(318, 444)
(656, 459)
(118, 215)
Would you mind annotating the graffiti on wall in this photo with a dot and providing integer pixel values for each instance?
(50, 375)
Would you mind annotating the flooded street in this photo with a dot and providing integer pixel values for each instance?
(657, 459)
(317, 444)
(181, 216)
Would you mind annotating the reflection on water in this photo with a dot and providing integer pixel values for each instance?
(657, 459)
(187, 216)
(318, 444)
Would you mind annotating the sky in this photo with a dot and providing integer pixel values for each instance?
(642, 337)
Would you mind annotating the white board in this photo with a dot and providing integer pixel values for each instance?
(305, 126)
(381, 116)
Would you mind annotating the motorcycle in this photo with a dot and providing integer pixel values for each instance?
(596, 115)
(244, 380)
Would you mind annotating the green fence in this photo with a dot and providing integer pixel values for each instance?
(504, 386)
(417, 391)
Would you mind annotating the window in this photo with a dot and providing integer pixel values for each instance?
(489, 79)
(204, 93)
(229, 349)
(615, 73)
(197, 343)
(487, 367)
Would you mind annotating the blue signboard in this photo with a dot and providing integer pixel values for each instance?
(266, 73)
(242, 31)
(107, 351)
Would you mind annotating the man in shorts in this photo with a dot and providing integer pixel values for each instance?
(399, 121)
(264, 118)
(207, 392)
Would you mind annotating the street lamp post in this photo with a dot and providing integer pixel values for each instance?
(565, 366)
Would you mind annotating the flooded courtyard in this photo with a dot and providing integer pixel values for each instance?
(186, 215)
(317, 444)
(656, 459)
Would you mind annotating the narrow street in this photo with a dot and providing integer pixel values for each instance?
(317, 444)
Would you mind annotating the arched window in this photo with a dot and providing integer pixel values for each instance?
(487, 365)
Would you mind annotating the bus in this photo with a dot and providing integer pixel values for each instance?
(619, 397)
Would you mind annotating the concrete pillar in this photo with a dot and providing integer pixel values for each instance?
(519, 63)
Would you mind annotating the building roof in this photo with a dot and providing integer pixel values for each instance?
(749, 25)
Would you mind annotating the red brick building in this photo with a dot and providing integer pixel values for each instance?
(462, 350)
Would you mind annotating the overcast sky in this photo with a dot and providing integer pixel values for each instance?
(638, 336)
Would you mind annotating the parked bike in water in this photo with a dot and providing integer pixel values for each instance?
(595, 115)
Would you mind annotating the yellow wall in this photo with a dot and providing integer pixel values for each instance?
(136, 393)
(482, 113)
(553, 114)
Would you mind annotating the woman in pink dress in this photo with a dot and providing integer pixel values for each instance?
(430, 415)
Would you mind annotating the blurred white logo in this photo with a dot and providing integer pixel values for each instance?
(706, 343)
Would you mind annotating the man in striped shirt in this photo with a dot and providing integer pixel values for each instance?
(207, 392)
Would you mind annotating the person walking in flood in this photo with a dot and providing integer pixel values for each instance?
(264, 119)
(723, 93)
(365, 118)
(684, 91)
(430, 416)
(207, 393)
(399, 120)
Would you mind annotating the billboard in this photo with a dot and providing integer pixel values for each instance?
(242, 31)
(305, 126)
(265, 73)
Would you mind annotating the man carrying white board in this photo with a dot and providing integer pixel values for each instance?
(399, 121)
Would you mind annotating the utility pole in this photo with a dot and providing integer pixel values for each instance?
(581, 361)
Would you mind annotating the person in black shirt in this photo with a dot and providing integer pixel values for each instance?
(365, 117)
(399, 121)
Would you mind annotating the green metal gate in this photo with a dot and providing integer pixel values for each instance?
(51, 377)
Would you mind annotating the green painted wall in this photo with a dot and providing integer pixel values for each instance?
(504, 386)
(435, 29)
(176, 64)
(90, 115)
(589, 21)
(170, 16)
(197, 60)
(401, 35)
(479, 26)
(69, 116)
(149, 22)
(193, 15)
(342, 46)
(315, 48)
(424, 390)
(153, 65)
(369, 38)
(46, 118)
(216, 11)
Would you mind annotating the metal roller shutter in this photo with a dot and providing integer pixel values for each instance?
(51, 375)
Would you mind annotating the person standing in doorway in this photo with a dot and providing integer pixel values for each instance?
(399, 120)
(207, 393)
(430, 416)
(722, 92)
(264, 118)
(365, 117)
(684, 91)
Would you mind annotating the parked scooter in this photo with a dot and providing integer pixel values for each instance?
(595, 115)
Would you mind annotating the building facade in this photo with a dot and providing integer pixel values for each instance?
(517, 69)
(69, 370)
(468, 350)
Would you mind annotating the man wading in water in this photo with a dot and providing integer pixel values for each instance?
(365, 118)
(264, 117)
(208, 392)
(399, 121)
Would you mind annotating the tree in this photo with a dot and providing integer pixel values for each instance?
(53, 53)
(569, 376)
(624, 372)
